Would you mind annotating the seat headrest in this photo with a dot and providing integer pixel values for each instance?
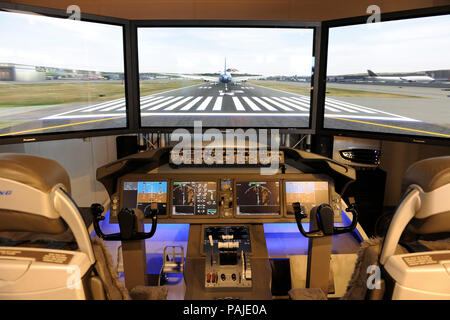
(429, 174)
(40, 173)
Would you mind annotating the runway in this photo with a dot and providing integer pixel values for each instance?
(239, 105)
(210, 101)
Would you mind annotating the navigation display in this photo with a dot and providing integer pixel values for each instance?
(225, 77)
(141, 194)
(258, 198)
(60, 75)
(194, 198)
(390, 77)
(308, 193)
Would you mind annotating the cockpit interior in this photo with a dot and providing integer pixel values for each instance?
(224, 152)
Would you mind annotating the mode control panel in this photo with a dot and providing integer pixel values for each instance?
(227, 262)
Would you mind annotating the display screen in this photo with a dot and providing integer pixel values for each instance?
(225, 77)
(390, 77)
(60, 75)
(259, 198)
(309, 193)
(194, 198)
(141, 194)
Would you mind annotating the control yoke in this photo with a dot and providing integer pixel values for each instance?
(127, 224)
(325, 220)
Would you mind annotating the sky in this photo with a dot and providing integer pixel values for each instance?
(393, 46)
(62, 43)
(265, 51)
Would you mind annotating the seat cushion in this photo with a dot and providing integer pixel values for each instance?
(37, 172)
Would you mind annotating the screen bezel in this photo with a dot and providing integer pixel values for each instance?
(315, 26)
(130, 108)
(389, 16)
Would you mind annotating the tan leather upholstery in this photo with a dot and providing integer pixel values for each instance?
(439, 223)
(40, 173)
(22, 221)
(429, 174)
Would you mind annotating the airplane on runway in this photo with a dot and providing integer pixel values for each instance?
(374, 76)
(224, 77)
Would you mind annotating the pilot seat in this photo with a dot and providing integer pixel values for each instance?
(412, 262)
(45, 248)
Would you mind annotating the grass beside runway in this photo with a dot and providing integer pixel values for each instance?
(331, 92)
(42, 94)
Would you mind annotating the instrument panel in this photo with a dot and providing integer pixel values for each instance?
(183, 198)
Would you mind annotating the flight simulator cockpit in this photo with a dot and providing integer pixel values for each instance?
(226, 208)
(224, 159)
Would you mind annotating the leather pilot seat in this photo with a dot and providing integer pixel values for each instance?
(424, 209)
(36, 210)
(430, 175)
(37, 173)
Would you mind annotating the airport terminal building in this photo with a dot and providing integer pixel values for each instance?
(20, 72)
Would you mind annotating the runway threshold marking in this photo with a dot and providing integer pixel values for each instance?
(60, 126)
(395, 127)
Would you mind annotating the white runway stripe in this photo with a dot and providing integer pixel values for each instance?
(295, 106)
(346, 109)
(153, 102)
(191, 104)
(144, 99)
(264, 104)
(238, 104)
(116, 106)
(327, 107)
(305, 104)
(251, 104)
(165, 103)
(352, 106)
(204, 104)
(103, 104)
(307, 100)
(279, 105)
(218, 104)
(179, 103)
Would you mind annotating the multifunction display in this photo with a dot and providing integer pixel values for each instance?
(194, 198)
(308, 193)
(141, 194)
(258, 198)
